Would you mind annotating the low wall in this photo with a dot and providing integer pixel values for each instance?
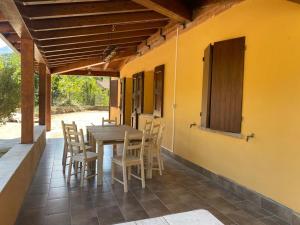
(17, 168)
(70, 109)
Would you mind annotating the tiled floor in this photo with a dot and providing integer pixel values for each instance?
(50, 201)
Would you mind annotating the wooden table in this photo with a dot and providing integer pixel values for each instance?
(98, 136)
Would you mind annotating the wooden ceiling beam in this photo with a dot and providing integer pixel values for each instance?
(99, 50)
(78, 65)
(93, 44)
(79, 9)
(92, 49)
(6, 28)
(100, 37)
(81, 32)
(12, 37)
(13, 16)
(2, 17)
(79, 56)
(174, 9)
(93, 73)
(90, 62)
(110, 19)
(120, 55)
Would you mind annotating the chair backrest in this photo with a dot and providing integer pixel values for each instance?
(148, 127)
(155, 132)
(71, 126)
(109, 122)
(160, 136)
(75, 142)
(133, 145)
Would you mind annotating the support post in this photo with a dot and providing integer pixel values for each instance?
(42, 94)
(27, 90)
(48, 102)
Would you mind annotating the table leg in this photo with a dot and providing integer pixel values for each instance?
(100, 162)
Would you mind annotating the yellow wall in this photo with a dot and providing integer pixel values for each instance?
(269, 163)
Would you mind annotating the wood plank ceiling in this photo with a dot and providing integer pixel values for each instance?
(78, 33)
(99, 34)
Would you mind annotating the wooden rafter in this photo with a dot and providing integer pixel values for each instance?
(68, 33)
(93, 73)
(79, 9)
(13, 16)
(12, 37)
(93, 44)
(85, 50)
(99, 37)
(90, 62)
(6, 28)
(69, 58)
(174, 9)
(78, 65)
(110, 19)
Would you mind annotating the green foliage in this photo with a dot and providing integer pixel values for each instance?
(9, 85)
(78, 90)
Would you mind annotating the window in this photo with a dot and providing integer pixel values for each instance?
(158, 91)
(113, 93)
(222, 91)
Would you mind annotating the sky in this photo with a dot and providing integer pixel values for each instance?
(2, 43)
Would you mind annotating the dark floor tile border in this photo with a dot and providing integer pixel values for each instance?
(282, 212)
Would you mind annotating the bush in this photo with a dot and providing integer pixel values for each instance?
(9, 92)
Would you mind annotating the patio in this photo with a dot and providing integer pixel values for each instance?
(51, 201)
(221, 78)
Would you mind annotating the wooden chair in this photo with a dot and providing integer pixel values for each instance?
(129, 158)
(155, 148)
(109, 122)
(72, 127)
(80, 154)
(148, 127)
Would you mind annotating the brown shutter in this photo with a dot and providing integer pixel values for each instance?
(122, 100)
(138, 93)
(158, 101)
(206, 87)
(227, 85)
(113, 93)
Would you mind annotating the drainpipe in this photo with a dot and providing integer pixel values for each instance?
(174, 91)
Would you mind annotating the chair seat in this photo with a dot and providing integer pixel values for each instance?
(90, 155)
(130, 160)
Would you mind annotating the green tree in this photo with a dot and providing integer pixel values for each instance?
(9, 85)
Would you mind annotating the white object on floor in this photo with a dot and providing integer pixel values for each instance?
(195, 217)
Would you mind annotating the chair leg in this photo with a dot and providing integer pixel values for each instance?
(64, 159)
(76, 168)
(125, 178)
(82, 174)
(70, 170)
(159, 164)
(129, 173)
(143, 175)
(112, 173)
(162, 163)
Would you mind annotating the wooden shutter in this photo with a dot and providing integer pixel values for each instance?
(206, 86)
(138, 93)
(158, 98)
(227, 85)
(122, 100)
(113, 93)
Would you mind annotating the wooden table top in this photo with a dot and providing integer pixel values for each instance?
(112, 133)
